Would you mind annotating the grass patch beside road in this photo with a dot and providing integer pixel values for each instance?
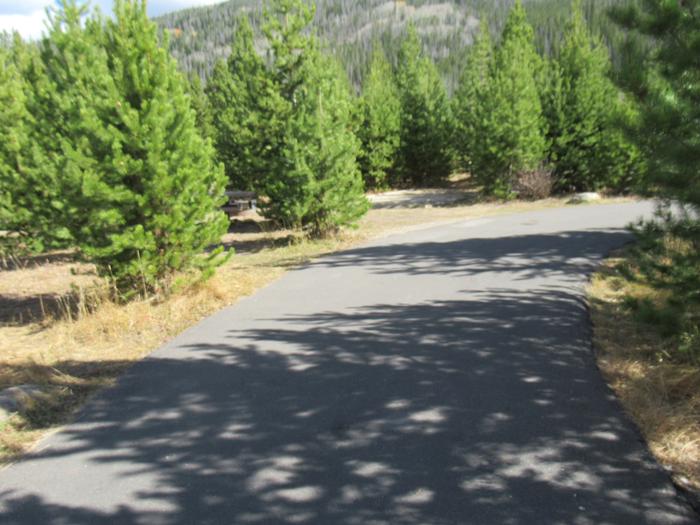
(643, 331)
(57, 332)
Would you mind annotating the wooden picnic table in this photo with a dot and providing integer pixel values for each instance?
(239, 201)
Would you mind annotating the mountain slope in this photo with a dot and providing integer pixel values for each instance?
(201, 36)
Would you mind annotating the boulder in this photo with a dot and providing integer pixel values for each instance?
(588, 196)
(16, 398)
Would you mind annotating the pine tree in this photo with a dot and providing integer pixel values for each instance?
(130, 177)
(15, 218)
(288, 183)
(201, 107)
(426, 119)
(588, 150)
(667, 86)
(247, 113)
(511, 137)
(380, 122)
(70, 97)
(164, 188)
(323, 148)
(467, 103)
(314, 182)
(293, 47)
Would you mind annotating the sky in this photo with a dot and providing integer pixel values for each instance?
(28, 16)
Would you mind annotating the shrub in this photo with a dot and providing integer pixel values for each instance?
(666, 265)
(534, 184)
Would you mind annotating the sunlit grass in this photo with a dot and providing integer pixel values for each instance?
(639, 359)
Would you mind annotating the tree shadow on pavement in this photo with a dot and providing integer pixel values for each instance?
(571, 255)
(482, 409)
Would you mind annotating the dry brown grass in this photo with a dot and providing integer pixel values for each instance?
(662, 396)
(86, 342)
(73, 355)
(32, 289)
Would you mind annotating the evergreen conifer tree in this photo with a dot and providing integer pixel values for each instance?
(130, 177)
(511, 136)
(467, 103)
(162, 188)
(426, 119)
(322, 150)
(668, 89)
(588, 150)
(293, 47)
(247, 113)
(288, 184)
(314, 182)
(70, 100)
(200, 105)
(15, 217)
(380, 122)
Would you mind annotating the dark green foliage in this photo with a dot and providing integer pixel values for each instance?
(667, 86)
(293, 48)
(584, 108)
(468, 102)
(15, 123)
(316, 183)
(380, 123)
(165, 190)
(426, 117)
(669, 92)
(130, 177)
(667, 259)
(284, 126)
(67, 93)
(320, 152)
(201, 107)
(13, 115)
(247, 113)
(70, 99)
(510, 133)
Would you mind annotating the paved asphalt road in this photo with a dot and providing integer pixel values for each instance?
(443, 376)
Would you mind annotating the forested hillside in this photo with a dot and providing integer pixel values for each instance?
(200, 36)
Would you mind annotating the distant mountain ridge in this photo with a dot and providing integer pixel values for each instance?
(201, 36)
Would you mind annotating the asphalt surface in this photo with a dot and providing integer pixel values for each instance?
(437, 377)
